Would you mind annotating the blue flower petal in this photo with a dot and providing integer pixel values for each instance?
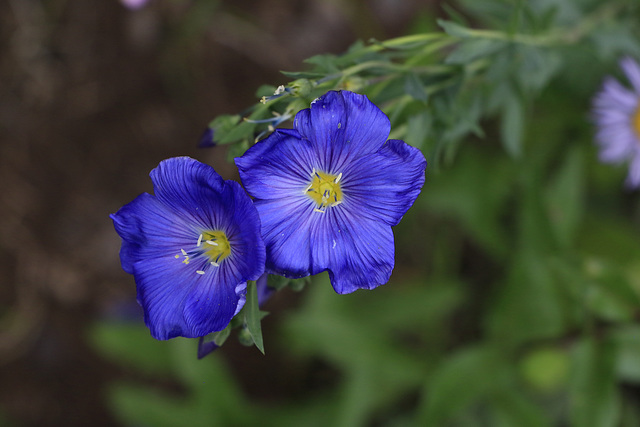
(357, 251)
(278, 166)
(286, 226)
(179, 302)
(185, 184)
(342, 134)
(243, 229)
(149, 230)
(384, 185)
(206, 139)
(343, 124)
(187, 295)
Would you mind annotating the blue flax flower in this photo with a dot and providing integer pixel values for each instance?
(616, 111)
(329, 191)
(191, 248)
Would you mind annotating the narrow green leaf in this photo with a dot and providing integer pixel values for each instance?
(512, 126)
(472, 49)
(252, 316)
(453, 29)
(414, 87)
(565, 197)
(595, 401)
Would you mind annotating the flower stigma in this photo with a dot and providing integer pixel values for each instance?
(325, 190)
(215, 246)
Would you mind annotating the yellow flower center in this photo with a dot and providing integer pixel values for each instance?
(324, 189)
(215, 245)
(636, 121)
(211, 243)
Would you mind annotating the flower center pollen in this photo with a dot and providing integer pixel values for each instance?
(324, 189)
(636, 121)
(215, 245)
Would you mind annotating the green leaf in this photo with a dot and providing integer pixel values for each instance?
(511, 126)
(277, 282)
(265, 90)
(303, 74)
(209, 395)
(476, 204)
(221, 336)
(512, 408)
(140, 405)
(298, 284)
(418, 128)
(324, 63)
(252, 316)
(222, 125)
(627, 341)
(546, 369)
(454, 29)
(565, 197)
(243, 130)
(594, 398)
(471, 49)
(530, 305)
(131, 345)
(461, 381)
(414, 87)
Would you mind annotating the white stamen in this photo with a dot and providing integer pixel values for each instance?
(307, 189)
(318, 210)
(335, 203)
(215, 264)
(313, 171)
(212, 243)
(279, 90)
(183, 252)
(199, 240)
(337, 180)
(199, 271)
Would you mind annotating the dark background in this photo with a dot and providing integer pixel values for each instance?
(92, 97)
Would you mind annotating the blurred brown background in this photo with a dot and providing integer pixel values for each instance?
(92, 97)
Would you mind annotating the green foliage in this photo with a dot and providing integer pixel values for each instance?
(516, 297)
(211, 396)
(252, 316)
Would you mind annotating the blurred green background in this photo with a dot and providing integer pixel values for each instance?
(516, 294)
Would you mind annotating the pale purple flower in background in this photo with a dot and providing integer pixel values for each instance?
(134, 4)
(616, 112)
